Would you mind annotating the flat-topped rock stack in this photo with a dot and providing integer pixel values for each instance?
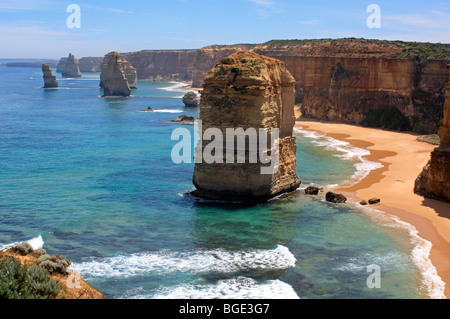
(71, 68)
(50, 81)
(118, 77)
(434, 181)
(251, 92)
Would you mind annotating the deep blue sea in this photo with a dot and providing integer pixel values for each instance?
(92, 179)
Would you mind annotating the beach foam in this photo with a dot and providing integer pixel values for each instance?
(235, 288)
(197, 261)
(420, 254)
(168, 111)
(362, 165)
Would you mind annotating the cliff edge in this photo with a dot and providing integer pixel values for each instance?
(434, 181)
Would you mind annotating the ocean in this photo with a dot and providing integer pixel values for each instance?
(92, 179)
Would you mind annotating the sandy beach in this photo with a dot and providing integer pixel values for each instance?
(403, 158)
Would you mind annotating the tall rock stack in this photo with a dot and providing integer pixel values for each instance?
(113, 78)
(71, 69)
(434, 181)
(248, 91)
(128, 70)
(49, 79)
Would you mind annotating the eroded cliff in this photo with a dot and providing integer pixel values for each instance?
(434, 181)
(247, 91)
(71, 69)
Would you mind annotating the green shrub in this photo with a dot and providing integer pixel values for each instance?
(22, 282)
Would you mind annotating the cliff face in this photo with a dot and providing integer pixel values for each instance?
(162, 65)
(207, 57)
(434, 181)
(49, 79)
(113, 78)
(71, 69)
(90, 64)
(61, 64)
(249, 91)
(348, 79)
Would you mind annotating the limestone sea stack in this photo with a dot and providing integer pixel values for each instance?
(71, 69)
(250, 92)
(434, 181)
(61, 64)
(113, 77)
(49, 79)
(190, 99)
(128, 70)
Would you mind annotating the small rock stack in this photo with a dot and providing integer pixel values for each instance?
(49, 79)
(71, 68)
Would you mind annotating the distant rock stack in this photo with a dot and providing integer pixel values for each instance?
(61, 64)
(113, 78)
(71, 68)
(128, 70)
(434, 181)
(49, 79)
(248, 91)
(190, 99)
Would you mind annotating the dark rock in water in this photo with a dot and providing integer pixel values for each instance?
(71, 68)
(49, 79)
(312, 190)
(148, 109)
(335, 198)
(363, 202)
(190, 99)
(185, 119)
(374, 201)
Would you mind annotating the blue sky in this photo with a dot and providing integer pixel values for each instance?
(37, 28)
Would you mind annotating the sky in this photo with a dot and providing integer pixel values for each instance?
(39, 29)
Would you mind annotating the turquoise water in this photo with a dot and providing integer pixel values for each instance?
(93, 178)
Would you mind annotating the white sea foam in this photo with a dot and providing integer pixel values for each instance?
(168, 111)
(197, 261)
(36, 243)
(235, 288)
(362, 165)
(420, 254)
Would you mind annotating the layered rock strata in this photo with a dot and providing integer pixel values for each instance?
(71, 68)
(247, 91)
(434, 181)
(113, 77)
(49, 79)
(115, 58)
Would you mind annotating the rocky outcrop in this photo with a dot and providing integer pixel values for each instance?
(190, 99)
(335, 198)
(71, 285)
(434, 181)
(114, 59)
(71, 69)
(247, 91)
(162, 65)
(185, 119)
(49, 79)
(112, 78)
